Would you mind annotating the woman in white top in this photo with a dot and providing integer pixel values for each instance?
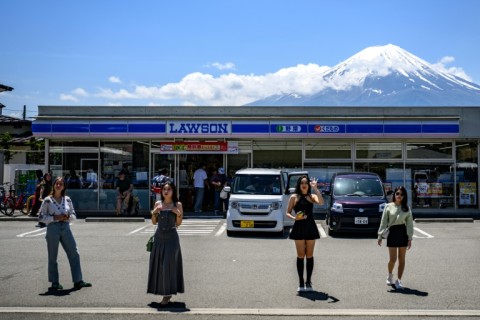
(56, 212)
(397, 216)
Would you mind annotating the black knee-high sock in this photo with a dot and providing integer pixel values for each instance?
(309, 269)
(300, 267)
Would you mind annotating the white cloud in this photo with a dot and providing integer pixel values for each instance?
(456, 71)
(68, 97)
(223, 66)
(114, 79)
(80, 92)
(228, 89)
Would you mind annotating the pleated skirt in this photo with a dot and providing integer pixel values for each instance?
(165, 274)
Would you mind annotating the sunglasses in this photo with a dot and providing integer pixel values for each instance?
(399, 194)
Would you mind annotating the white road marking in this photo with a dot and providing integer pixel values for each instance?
(139, 229)
(33, 233)
(428, 236)
(323, 234)
(249, 312)
(221, 230)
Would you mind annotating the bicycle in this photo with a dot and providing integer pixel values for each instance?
(12, 202)
(7, 203)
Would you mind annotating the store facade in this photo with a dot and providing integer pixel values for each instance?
(433, 152)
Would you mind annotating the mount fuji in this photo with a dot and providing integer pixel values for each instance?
(383, 76)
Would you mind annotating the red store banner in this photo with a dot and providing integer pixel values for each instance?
(198, 147)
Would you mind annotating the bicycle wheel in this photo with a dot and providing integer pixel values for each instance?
(2, 207)
(10, 207)
(23, 205)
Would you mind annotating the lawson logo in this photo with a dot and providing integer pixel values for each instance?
(181, 127)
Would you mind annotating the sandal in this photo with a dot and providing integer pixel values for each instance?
(165, 300)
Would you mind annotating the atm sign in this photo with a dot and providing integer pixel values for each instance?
(326, 129)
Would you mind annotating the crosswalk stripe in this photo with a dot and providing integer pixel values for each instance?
(323, 234)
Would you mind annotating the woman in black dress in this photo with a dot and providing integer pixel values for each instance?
(397, 216)
(165, 275)
(304, 230)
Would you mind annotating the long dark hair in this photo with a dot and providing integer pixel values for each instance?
(174, 191)
(404, 203)
(299, 182)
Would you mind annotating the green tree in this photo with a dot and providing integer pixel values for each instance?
(6, 141)
(37, 146)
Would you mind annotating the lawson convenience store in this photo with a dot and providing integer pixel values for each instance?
(433, 152)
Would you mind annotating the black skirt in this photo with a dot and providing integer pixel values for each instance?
(304, 230)
(398, 236)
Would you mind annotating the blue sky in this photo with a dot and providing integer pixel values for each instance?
(211, 52)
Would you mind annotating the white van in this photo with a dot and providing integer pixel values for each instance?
(259, 198)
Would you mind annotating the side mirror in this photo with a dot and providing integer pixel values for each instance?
(290, 191)
(226, 188)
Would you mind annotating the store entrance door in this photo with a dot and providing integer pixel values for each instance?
(187, 164)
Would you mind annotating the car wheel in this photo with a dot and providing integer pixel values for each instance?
(230, 233)
(331, 233)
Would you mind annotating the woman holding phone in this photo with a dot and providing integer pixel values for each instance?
(304, 230)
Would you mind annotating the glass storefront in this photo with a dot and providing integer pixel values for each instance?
(437, 174)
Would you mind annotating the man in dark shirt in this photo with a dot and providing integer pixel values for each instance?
(124, 191)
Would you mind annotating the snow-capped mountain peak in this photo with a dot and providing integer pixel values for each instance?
(386, 75)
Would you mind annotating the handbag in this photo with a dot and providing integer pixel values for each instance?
(150, 244)
(385, 233)
(223, 194)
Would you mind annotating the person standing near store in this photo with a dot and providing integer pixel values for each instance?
(38, 192)
(157, 182)
(218, 181)
(304, 230)
(165, 275)
(45, 190)
(200, 181)
(57, 212)
(397, 216)
(124, 189)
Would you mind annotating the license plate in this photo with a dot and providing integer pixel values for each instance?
(361, 220)
(246, 224)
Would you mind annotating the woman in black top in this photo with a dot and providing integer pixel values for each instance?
(304, 230)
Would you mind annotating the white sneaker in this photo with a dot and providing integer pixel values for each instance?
(390, 279)
(399, 285)
(301, 289)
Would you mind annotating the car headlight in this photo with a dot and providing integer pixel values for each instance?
(276, 205)
(337, 207)
(233, 204)
(381, 207)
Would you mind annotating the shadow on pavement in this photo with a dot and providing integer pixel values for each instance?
(409, 291)
(318, 296)
(58, 293)
(172, 306)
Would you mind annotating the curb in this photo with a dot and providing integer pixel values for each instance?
(115, 219)
(428, 220)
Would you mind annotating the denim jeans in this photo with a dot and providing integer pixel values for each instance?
(59, 232)
(199, 193)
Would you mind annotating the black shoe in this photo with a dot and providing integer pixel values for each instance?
(81, 284)
(55, 286)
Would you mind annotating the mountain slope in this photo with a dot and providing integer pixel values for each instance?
(384, 76)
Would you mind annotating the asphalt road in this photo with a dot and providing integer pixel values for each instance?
(248, 276)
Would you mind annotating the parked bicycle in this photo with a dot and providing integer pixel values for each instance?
(12, 202)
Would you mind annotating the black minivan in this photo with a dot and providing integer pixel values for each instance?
(357, 200)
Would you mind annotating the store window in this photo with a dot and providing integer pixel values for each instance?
(430, 150)
(391, 173)
(466, 170)
(431, 185)
(321, 150)
(77, 162)
(379, 150)
(132, 158)
(277, 154)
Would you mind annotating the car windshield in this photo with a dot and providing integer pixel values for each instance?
(256, 184)
(358, 187)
